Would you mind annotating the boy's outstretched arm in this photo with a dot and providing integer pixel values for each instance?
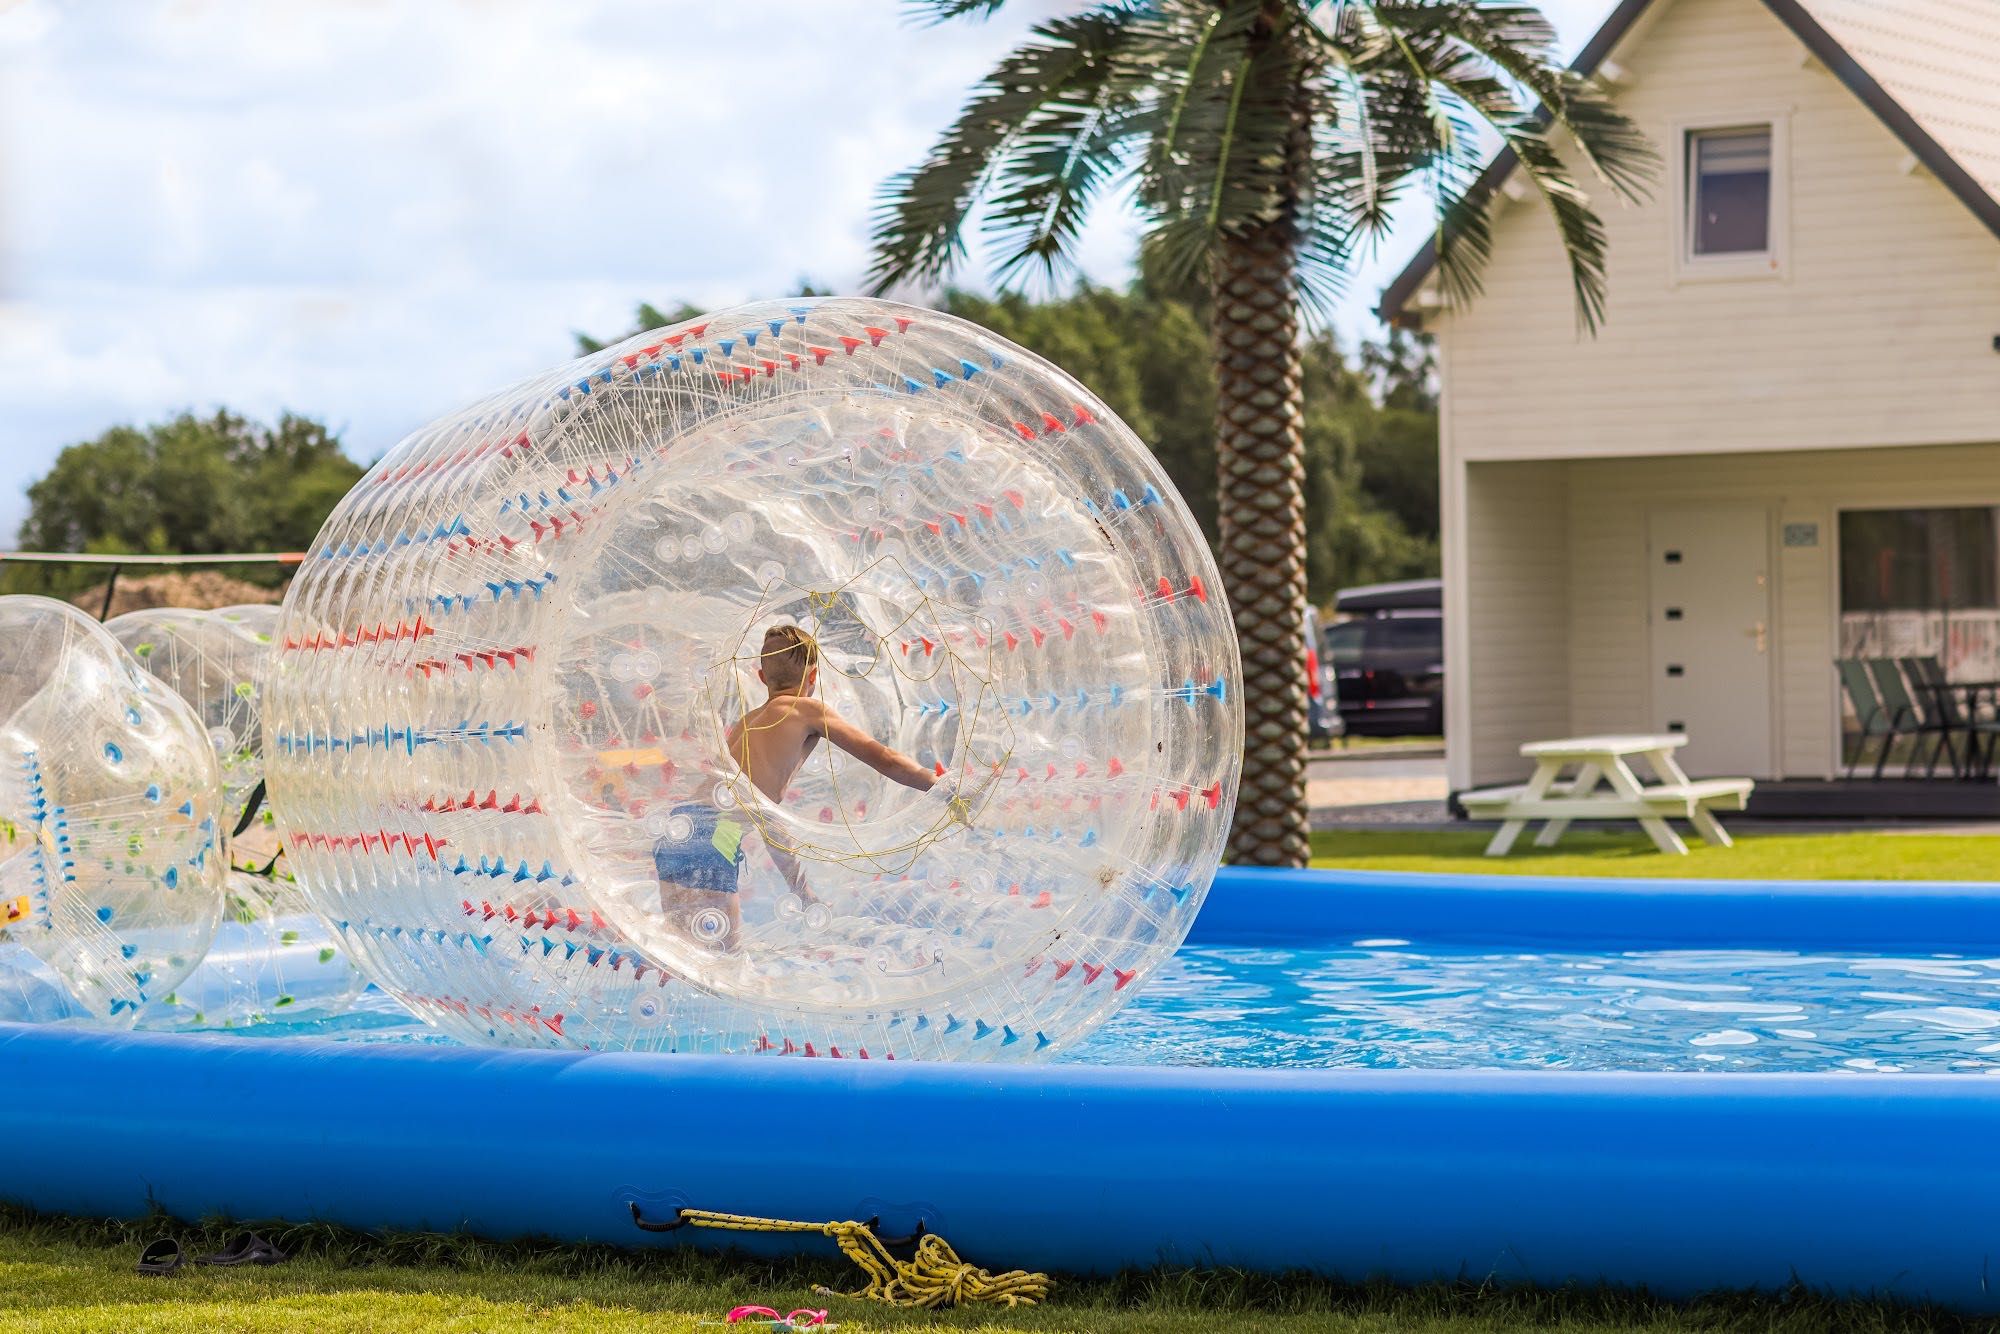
(885, 760)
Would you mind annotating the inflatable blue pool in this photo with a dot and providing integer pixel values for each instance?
(1681, 1085)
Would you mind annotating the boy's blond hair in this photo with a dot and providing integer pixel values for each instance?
(789, 656)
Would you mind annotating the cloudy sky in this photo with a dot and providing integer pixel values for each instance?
(371, 211)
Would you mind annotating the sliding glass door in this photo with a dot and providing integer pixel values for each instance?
(1923, 583)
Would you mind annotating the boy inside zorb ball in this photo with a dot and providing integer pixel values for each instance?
(698, 871)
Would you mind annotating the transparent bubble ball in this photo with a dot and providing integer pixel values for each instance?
(110, 824)
(527, 635)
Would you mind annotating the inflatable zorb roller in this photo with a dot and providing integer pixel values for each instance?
(496, 728)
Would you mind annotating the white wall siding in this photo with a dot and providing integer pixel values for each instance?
(1879, 332)
(1517, 587)
(1807, 616)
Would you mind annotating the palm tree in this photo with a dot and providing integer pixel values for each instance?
(1264, 141)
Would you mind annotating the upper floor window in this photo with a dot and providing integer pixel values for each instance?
(1729, 191)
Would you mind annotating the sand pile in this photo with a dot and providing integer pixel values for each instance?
(201, 589)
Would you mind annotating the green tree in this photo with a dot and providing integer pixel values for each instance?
(1371, 514)
(1404, 369)
(191, 485)
(1262, 139)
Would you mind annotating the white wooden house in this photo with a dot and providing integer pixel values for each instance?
(1784, 444)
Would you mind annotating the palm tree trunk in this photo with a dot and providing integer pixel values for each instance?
(1261, 484)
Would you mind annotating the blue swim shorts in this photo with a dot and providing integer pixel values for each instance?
(708, 858)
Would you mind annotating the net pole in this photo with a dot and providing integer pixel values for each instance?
(110, 587)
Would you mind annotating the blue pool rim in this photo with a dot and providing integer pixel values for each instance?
(1683, 1183)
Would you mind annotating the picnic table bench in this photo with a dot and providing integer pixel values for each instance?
(1604, 787)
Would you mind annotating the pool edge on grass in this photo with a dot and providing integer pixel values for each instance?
(1678, 1182)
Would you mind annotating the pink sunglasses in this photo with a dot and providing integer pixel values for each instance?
(803, 1318)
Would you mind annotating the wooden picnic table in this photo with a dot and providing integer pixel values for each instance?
(1604, 787)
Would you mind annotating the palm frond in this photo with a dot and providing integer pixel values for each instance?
(944, 11)
(1230, 145)
(1616, 149)
(1431, 139)
(1373, 132)
(1480, 56)
(1374, 127)
(1521, 28)
(920, 215)
(1577, 223)
(1190, 49)
(1049, 181)
(1464, 232)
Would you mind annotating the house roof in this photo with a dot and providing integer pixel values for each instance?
(1926, 68)
(1938, 60)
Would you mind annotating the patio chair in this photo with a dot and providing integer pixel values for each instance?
(1927, 674)
(1934, 705)
(1908, 717)
(1869, 714)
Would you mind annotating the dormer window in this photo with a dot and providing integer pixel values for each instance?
(1732, 199)
(1730, 190)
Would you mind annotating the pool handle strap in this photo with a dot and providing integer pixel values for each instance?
(934, 1277)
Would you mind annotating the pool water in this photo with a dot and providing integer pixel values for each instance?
(1393, 1003)
(1398, 1004)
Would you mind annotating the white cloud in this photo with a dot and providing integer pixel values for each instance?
(373, 210)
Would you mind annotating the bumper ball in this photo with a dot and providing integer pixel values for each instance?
(110, 810)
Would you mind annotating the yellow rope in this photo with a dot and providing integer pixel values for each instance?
(935, 1277)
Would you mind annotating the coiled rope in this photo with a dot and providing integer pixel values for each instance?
(935, 1277)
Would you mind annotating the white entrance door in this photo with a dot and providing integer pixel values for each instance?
(1711, 639)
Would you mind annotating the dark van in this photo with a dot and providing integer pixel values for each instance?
(1387, 654)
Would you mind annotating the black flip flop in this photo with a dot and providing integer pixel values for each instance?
(245, 1248)
(161, 1258)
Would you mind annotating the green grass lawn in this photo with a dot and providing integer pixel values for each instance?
(74, 1275)
(1860, 856)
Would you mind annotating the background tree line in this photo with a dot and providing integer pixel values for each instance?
(192, 485)
(218, 483)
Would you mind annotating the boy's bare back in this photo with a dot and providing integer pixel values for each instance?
(773, 740)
